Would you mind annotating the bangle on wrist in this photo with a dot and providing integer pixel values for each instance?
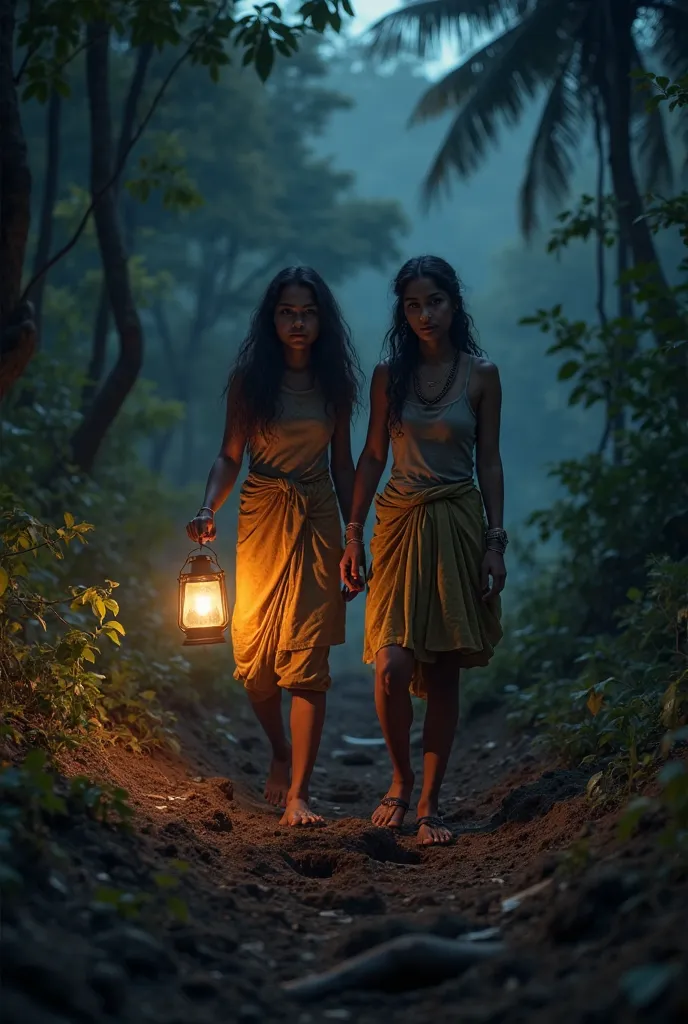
(206, 508)
(496, 539)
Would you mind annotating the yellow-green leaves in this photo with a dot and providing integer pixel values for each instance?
(4, 580)
(114, 630)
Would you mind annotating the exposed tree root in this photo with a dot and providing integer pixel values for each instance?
(410, 961)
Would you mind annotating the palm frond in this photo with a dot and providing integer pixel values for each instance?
(550, 161)
(671, 46)
(656, 164)
(420, 26)
(496, 83)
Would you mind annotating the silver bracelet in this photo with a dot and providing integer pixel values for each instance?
(207, 508)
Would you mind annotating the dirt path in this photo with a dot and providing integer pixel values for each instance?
(269, 904)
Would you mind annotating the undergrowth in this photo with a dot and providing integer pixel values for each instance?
(595, 656)
(53, 639)
(30, 805)
(35, 805)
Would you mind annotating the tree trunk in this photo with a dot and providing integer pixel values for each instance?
(50, 189)
(96, 367)
(624, 352)
(615, 87)
(109, 400)
(17, 328)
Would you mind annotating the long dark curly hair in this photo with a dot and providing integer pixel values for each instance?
(260, 363)
(401, 348)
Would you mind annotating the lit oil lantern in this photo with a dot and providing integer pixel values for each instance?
(203, 609)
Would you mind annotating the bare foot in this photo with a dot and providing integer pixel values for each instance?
(393, 807)
(277, 783)
(433, 832)
(299, 815)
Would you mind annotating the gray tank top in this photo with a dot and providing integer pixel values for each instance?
(298, 442)
(437, 442)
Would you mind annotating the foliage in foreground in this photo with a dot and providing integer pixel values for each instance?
(30, 803)
(35, 804)
(51, 640)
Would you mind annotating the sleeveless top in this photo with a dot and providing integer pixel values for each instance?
(436, 443)
(296, 446)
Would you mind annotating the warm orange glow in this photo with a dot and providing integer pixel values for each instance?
(203, 605)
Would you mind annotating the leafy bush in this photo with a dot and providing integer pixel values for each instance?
(30, 802)
(50, 641)
(629, 688)
(598, 647)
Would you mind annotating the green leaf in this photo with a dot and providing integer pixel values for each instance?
(633, 814)
(165, 881)
(593, 783)
(264, 56)
(178, 908)
(4, 580)
(643, 986)
(569, 369)
(35, 761)
(88, 655)
(69, 519)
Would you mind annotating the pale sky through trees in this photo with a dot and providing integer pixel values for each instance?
(368, 12)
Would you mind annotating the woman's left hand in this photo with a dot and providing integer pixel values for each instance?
(353, 570)
(493, 566)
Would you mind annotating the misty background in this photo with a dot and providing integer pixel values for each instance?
(355, 125)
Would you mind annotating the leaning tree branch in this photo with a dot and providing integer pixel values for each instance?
(119, 166)
(102, 322)
(89, 436)
(81, 48)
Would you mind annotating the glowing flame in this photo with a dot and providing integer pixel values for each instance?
(203, 604)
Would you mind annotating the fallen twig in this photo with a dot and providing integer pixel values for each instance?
(410, 961)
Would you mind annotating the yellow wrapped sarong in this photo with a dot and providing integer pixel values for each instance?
(424, 590)
(288, 595)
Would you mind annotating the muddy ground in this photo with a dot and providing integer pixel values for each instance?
(602, 938)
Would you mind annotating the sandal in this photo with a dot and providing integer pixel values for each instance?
(434, 821)
(394, 801)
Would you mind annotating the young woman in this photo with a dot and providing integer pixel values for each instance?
(431, 609)
(290, 398)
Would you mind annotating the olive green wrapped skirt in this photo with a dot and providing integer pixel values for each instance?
(424, 588)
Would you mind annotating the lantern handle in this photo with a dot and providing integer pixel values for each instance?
(203, 548)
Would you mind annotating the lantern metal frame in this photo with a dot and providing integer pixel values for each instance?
(201, 572)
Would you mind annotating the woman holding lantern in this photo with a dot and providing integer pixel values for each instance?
(289, 402)
(437, 566)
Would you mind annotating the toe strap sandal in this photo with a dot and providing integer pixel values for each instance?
(394, 801)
